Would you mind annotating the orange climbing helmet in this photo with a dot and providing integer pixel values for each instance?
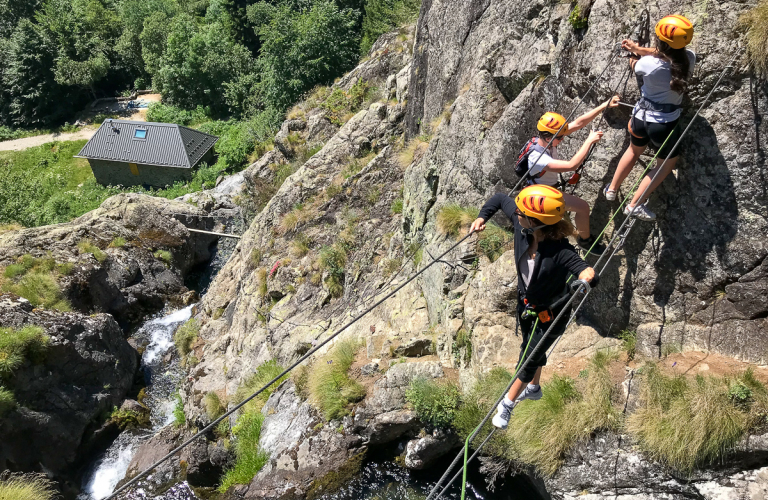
(541, 202)
(676, 30)
(551, 122)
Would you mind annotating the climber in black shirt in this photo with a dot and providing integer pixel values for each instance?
(544, 259)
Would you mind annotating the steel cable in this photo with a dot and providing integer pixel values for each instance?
(213, 424)
(584, 298)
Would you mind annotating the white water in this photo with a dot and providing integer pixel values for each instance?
(162, 381)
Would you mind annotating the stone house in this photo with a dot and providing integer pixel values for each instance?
(129, 153)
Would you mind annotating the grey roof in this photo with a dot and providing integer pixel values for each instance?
(166, 144)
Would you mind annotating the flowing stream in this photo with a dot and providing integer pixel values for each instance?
(162, 375)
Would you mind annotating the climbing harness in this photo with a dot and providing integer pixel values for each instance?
(617, 241)
(570, 115)
(580, 287)
(213, 424)
(617, 51)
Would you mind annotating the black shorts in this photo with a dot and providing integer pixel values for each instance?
(641, 133)
(540, 358)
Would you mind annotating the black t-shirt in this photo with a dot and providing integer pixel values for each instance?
(555, 260)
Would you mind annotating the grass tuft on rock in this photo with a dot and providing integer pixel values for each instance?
(569, 412)
(686, 423)
(330, 388)
(26, 487)
(20, 344)
(87, 246)
(435, 401)
(755, 21)
(264, 373)
(179, 417)
(164, 255)
(333, 259)
(250, 459)
(186, 335)
(454, 220)
(214, 408)
(36, 279)
(7, 401)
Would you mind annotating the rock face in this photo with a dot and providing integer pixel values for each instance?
(87, 370)
(483, 62)
(130, 281)
(455, 112)
(607, 467)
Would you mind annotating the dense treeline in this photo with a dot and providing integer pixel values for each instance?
(234, 58)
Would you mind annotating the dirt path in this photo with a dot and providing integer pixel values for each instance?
(28, 142)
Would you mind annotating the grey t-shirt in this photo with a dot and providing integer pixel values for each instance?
(656, 77)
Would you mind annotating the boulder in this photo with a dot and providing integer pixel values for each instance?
(422, 452)
(66, 394)
(415, 348)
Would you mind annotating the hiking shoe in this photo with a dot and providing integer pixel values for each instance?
(591, 245)
(642, 212)
(503, 414)
(529, 393)
(610, 194)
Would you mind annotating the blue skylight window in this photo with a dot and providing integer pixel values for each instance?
(140, 133)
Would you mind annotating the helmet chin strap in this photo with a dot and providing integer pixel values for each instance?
(528, 231)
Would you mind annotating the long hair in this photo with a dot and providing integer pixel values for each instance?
(559, 231)
(679, 65)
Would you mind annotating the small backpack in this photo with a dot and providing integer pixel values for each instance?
(522, 167)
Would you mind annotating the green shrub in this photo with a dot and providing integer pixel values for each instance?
(476, 403)
(690, 423)
(164, 255)
(340, 104)
(756, 22)
(20, 344)
(494, 241)
(397, 206)
(31, 486)
(333, 259)
(87, 246)
(330, 388)
(214, 408)
(179, 417)
(382, 16)
(264, 373)
(117, 242)
(391, 266)
(7, 402)
(186, 335)
(163, 113)
(129, 419)
(628, 343)
(434, 401)
(463, 341)
(250, 459)
(576, 20)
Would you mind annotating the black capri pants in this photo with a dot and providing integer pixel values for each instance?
(642, 132)
(526, 325)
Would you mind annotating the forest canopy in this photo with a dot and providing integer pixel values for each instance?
(235, 58)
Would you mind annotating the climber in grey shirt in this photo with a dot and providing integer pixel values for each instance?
(665, 70)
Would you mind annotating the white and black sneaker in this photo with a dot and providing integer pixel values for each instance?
(610, 194)
(503, 414)
(534, 394)
(642, 212)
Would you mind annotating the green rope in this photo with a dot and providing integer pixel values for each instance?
(626, 198)
(466, 441)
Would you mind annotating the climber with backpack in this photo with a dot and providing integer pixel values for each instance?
(665, 70)
(545, 261)
(538, 163)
